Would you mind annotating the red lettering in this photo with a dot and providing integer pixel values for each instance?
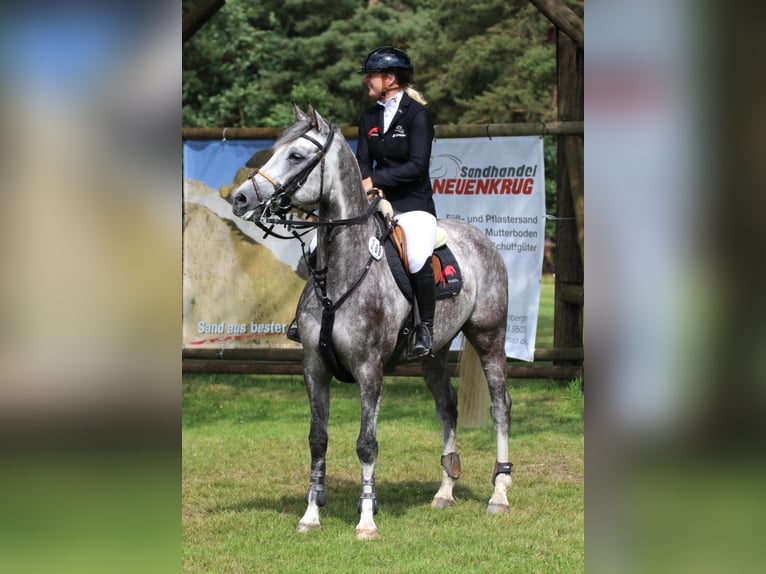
(507, 186)
(529, 185)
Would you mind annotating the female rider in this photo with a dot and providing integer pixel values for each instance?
(394, 153)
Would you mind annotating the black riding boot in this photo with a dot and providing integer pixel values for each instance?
(425, 298)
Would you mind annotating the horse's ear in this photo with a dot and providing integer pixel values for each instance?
(318, 121)
(299, 113)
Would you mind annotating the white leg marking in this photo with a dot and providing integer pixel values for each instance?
(443, 497)
(367, 529)
(310, 520)
(498, 503)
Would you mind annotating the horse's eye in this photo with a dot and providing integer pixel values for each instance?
(295, 156)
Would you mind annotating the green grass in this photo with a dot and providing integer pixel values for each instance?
(544, 338)
(245, 471)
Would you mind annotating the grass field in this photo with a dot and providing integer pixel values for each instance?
(245, 472)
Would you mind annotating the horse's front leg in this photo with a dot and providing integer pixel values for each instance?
(367, 451)
(318, 388)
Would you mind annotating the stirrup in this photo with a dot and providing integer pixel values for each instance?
(292, 332)
(420, 343)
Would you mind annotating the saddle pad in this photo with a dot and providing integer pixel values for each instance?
(451, 279)
(449, 282)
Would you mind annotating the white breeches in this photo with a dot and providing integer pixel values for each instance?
(420, 230)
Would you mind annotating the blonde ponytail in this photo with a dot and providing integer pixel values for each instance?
(415, 95)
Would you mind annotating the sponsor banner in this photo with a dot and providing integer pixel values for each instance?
(241, 289)
(498, 185)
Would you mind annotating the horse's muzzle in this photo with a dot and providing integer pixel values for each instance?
(240, 203)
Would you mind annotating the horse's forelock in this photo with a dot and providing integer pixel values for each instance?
(294, 132)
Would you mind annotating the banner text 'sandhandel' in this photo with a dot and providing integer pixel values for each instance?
(498, 185)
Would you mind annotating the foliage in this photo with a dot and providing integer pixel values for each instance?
(476, 61)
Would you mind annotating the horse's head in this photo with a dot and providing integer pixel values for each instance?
(281, 183)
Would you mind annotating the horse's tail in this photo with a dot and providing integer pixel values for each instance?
(473, 393)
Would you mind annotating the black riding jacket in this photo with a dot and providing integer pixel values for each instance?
(398, 160)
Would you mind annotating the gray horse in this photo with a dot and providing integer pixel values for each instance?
(352, 306)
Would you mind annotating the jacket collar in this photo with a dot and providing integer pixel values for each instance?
(404, 104)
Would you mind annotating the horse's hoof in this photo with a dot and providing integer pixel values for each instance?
(498, 509)
(306, 527)
(367, 533)
(442, 503)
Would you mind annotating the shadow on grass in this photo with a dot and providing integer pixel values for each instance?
(395, 498)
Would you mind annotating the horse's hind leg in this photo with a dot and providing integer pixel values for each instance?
(490, 346)
(318, 389)
(445, 399)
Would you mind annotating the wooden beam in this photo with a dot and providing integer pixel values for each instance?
(513, 371)
(563, 18)
(556, 128)
(295, 355)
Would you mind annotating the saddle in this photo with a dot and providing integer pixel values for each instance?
(447, 275)
(447, 278)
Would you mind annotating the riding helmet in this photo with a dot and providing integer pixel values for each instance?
(389, 59)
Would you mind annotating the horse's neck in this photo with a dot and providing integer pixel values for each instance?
(344, 249)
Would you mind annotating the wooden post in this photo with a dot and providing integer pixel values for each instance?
(568, 315)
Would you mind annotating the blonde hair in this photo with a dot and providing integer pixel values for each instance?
(415, 95)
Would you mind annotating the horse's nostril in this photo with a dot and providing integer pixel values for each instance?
(239, 198)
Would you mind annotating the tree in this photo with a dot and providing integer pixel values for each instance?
(476, 61)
